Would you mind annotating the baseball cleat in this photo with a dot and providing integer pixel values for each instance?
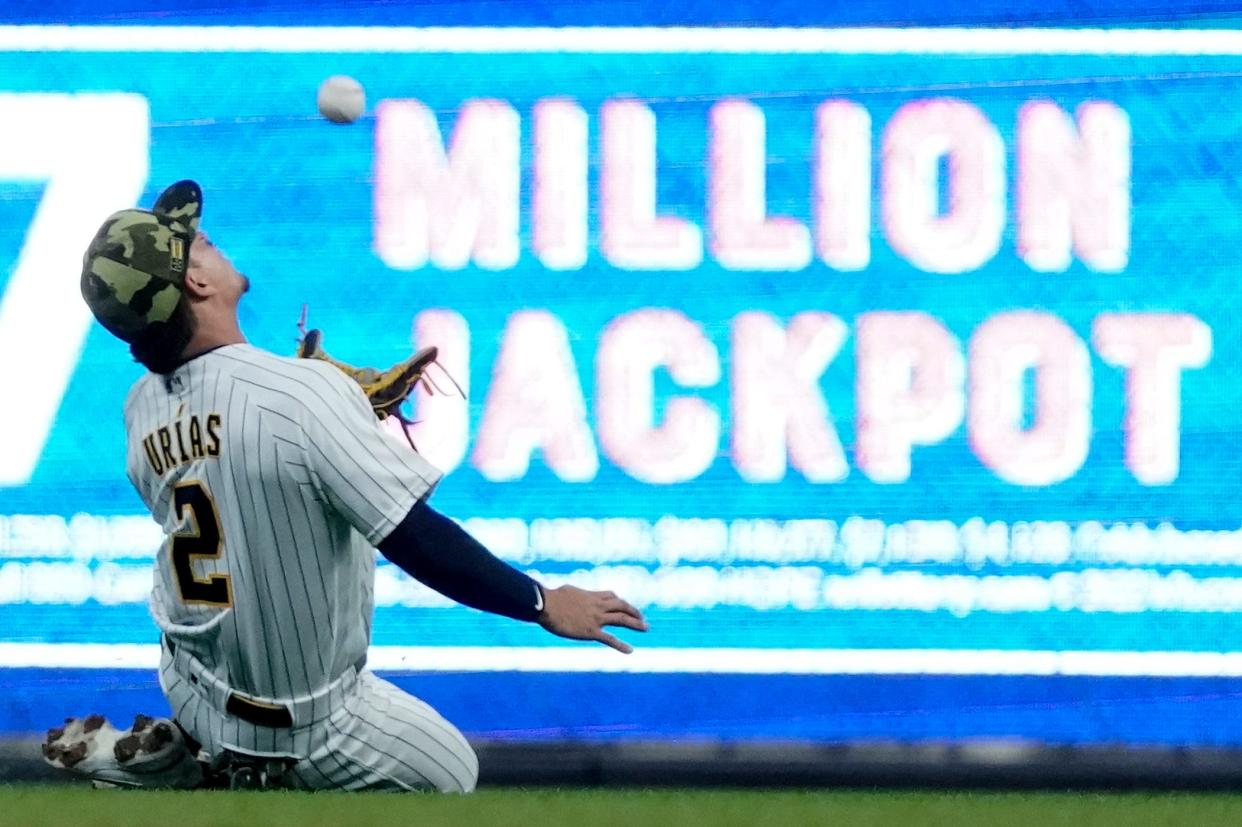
(151, 753)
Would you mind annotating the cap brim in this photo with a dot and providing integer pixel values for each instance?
(182, 202)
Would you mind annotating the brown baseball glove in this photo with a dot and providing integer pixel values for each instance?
(388, 389)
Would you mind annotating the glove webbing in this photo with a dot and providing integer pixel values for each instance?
(386, 390)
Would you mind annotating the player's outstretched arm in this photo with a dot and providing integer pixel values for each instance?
(438, 553)
(579, 614)
(351, 447)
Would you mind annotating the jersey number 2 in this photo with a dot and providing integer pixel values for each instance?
(203, 539)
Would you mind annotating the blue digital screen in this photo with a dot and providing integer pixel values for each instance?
(844, 357)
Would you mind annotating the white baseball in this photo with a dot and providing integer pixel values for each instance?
(341, 99)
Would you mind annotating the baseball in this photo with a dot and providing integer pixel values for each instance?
(341, 99)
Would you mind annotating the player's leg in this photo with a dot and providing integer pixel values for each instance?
(226, 746)
(383, 738)
(192, 712)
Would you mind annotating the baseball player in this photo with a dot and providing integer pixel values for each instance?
(274, 483)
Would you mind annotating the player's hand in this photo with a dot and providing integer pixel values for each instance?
(582, 615)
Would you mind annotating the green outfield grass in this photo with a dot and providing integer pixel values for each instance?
(57, 806)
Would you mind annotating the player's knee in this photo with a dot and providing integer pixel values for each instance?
(467, 777)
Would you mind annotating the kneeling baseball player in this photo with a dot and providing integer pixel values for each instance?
(274, 481)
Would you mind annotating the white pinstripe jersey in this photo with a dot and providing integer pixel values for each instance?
(273, 481)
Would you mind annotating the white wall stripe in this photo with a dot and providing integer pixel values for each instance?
(705, 661)
(80, 655)
(600, 40)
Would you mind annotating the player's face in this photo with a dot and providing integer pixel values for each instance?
(216, 267)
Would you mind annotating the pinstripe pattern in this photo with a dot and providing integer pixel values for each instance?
(304, 484)
(378, 738)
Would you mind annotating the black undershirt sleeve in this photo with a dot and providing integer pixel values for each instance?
(438, 553)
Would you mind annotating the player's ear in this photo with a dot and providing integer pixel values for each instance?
(197, 283)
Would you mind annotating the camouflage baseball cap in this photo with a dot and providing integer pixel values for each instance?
(133, 272)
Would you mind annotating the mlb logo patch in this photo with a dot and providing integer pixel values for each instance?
(176, 249)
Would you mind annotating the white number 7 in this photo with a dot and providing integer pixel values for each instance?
(92, 150)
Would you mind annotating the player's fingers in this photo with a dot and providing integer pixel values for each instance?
(625, 620)
(615, 642)
(616, 604)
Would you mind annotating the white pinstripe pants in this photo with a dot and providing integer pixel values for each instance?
(376, 738)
